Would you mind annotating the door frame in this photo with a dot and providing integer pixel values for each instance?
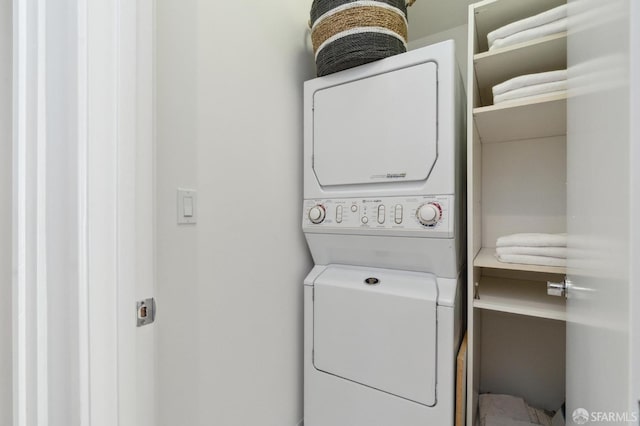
(109, 112)
(634, 19)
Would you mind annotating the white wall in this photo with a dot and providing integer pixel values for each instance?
(510, 342)
(229, 124)
(517, 196)
(458, 34)
(6, 401)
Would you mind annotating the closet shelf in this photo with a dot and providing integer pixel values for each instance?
(491, 14)
(544, 54)
(519, 297)
(539, 117)
(486, 259)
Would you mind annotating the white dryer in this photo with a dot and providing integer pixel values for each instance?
(382, 215)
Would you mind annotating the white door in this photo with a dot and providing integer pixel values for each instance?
(601, 195)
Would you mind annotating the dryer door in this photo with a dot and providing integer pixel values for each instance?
(379, 335)
(377, 129)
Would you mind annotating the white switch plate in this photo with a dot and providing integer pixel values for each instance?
(187, 211)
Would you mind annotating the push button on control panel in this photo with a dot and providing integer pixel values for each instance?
(339, 214)
(381, 212)
(364, 219)
(354, 208)
(398, 214)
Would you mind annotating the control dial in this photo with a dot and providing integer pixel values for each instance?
(429, 214)
(317, 214)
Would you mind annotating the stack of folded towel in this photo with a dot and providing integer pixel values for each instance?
(533, 249)
(507, 410)
(546, 23)
(526, 86)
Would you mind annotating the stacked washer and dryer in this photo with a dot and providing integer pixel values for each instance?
(383, 218)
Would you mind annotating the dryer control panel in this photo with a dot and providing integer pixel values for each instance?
(419, 216)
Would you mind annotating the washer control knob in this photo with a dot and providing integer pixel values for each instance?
(317, 214)
(429, 214)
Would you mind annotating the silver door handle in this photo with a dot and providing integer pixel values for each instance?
(558, 289)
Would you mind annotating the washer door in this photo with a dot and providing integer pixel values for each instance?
(377, 129)
(379, 335)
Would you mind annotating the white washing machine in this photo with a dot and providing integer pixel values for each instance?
(382, 215)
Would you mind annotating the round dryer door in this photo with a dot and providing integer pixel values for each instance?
(377, 327)
(377, 129)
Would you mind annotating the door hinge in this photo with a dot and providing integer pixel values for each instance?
(146, 311)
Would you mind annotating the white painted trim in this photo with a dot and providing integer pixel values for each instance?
(42, 316)
(634, 157)
(30, 371)
(126, 257)
(82, 205)
(117, 52)
(120, 363)
(134, 210)
(19, 213)
(138, 366)
(101, 212)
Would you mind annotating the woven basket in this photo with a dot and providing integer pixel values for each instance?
(348, 33)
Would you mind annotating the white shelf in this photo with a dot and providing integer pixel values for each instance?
(535, 117)
(491, 14)
(544, 54)
(519, 297)
(486, 259)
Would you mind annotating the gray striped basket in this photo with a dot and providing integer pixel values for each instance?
(348, 33)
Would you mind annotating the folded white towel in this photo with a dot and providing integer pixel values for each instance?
(532, 260)
(539, 417)
(531, 34)
(560, 252)
(532, 240)
(546, 17)
(533, 98)
(505, 421)
(528, 91)
(529, 80)
(558, 419)
(496, 405)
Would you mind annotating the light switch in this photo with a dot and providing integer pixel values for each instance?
(187, 206)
